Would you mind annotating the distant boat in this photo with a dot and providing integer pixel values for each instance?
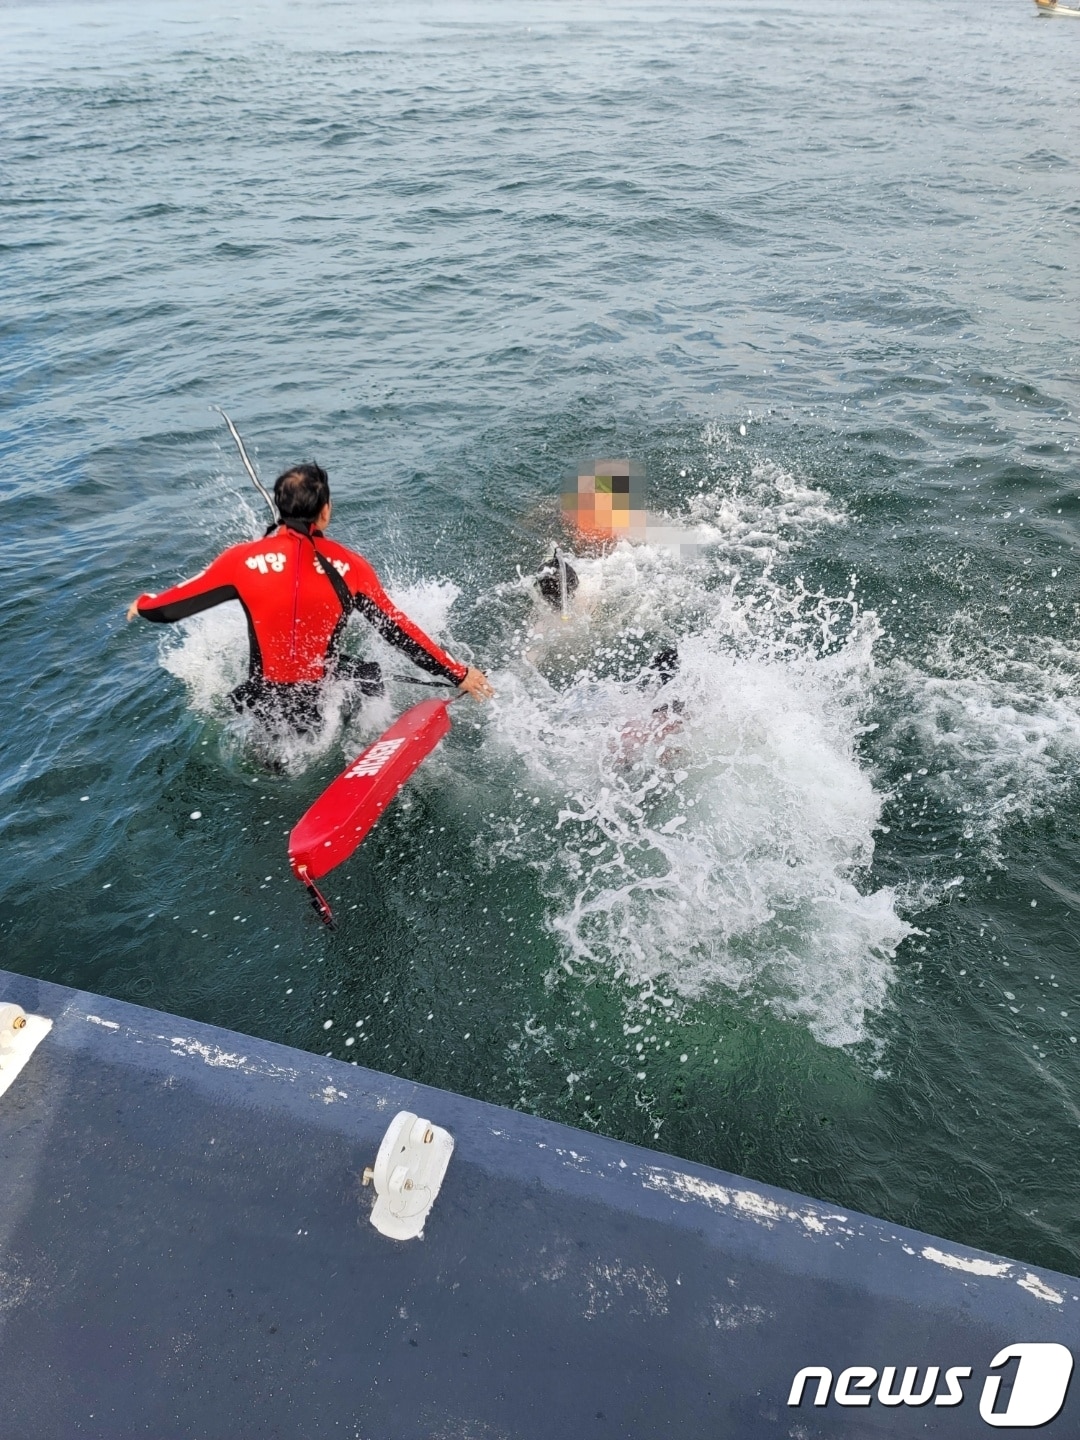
(1051, 7)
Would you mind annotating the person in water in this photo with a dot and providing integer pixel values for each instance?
(298, 589)
(603, 503)
(557, 582)
(605, 500)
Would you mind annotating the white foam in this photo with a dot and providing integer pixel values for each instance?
(427, 602)
(209, 653)
(998, 735)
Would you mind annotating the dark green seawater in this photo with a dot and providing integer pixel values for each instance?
(815, 266)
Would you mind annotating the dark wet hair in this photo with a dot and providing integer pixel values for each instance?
(301, 492)
(665, 663)
(549, 584)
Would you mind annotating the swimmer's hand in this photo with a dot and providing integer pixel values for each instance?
(133, 608)
(476, 684)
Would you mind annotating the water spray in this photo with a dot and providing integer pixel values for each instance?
(564, 596)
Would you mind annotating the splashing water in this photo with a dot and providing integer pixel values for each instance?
(709, 831)
(209, 654)
(991, 736)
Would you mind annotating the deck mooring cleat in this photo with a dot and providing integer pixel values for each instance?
(20, 1035)
(407, 1175)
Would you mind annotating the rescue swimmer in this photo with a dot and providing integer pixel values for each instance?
(298, 588)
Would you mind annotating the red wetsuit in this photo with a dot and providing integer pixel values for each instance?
(295, 616)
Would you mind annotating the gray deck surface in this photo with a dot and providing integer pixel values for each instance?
(185, 1252)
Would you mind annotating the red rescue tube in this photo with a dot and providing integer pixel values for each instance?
(347, 809)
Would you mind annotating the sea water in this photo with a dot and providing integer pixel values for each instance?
(813, 266)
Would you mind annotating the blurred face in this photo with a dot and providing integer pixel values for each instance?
(608, 499)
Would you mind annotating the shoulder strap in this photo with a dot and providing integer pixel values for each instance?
(344, 594)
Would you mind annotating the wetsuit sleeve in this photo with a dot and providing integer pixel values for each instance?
(211, 586)
(375, 605)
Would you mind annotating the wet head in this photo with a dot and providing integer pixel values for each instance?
(302, 494)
